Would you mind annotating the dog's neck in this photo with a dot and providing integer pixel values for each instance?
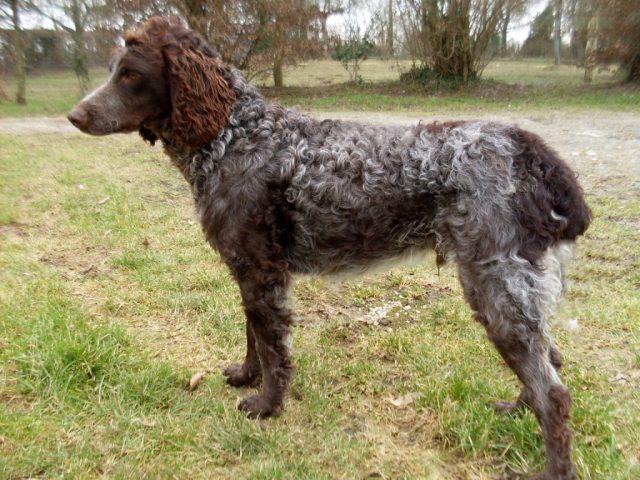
(197, 164)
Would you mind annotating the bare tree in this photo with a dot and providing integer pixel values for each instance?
(504, 29)
(390, 30)
(83, 20)
(540, 40)
(256, 34)
(512, 10)
(286, 33)
(10, 11)
(76, 17)
(577, 15)
(119, 14)
(327, 8)
(619, 36)
(451, 37)
(591, 49)
(557, 30)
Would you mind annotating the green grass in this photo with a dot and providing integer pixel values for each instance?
(483, 98)
(110, 300)
(522, 71)
(320, 85)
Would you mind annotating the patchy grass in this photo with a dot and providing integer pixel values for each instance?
(110, 300)
(320, 85)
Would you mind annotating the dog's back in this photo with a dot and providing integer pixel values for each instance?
(358, 194)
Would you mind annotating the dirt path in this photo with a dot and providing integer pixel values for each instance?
(603, 145)
(34, 125)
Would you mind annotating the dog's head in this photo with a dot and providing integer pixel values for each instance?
(165, 79)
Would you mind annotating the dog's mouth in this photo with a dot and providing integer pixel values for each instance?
(85, 121)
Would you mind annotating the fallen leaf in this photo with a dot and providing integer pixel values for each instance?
(404, 400)
(145, 422)
(196, 380)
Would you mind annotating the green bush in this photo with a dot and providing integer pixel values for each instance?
(351, 53)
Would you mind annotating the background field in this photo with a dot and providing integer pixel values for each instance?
(110, 300)
(319, 85)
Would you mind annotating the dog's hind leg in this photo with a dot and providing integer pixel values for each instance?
(248, 373)
(509, 407)
(525, 352)
(512, 299)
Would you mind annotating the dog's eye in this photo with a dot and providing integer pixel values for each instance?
(128, 75)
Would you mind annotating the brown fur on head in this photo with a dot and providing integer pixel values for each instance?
(166, 82)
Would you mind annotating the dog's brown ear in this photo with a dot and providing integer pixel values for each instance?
(201, 98)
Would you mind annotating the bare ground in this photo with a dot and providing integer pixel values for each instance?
(603, 145)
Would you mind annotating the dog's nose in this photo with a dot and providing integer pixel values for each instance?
(78, 116)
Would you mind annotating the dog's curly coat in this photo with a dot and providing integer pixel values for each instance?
(280, 193)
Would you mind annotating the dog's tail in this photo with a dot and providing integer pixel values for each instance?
(551, 206)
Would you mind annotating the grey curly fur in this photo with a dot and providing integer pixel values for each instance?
(280, 193)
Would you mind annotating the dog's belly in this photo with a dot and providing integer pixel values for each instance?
(373, 234)
(348, 263)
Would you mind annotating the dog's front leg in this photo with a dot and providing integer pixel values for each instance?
(248, 373)
(264, 294)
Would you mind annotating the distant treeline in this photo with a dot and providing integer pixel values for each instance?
(53, 49)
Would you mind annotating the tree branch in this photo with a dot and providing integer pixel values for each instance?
(49, 16)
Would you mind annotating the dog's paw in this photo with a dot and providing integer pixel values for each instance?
(505, 407)
(237, 376)
(566, 474)
(541, 476)
(255, 406)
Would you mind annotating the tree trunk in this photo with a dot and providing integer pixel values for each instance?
(3, 93)
(278, 80)
(505, 28)
(323, 27)
(80, 60)
(18, 44)
(456, 35)
(590, 49)
(633, 69)
(390, 30)
(557, 32)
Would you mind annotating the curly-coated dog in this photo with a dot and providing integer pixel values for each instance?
(280, 193)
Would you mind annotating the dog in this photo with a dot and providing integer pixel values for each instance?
(279, 193)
